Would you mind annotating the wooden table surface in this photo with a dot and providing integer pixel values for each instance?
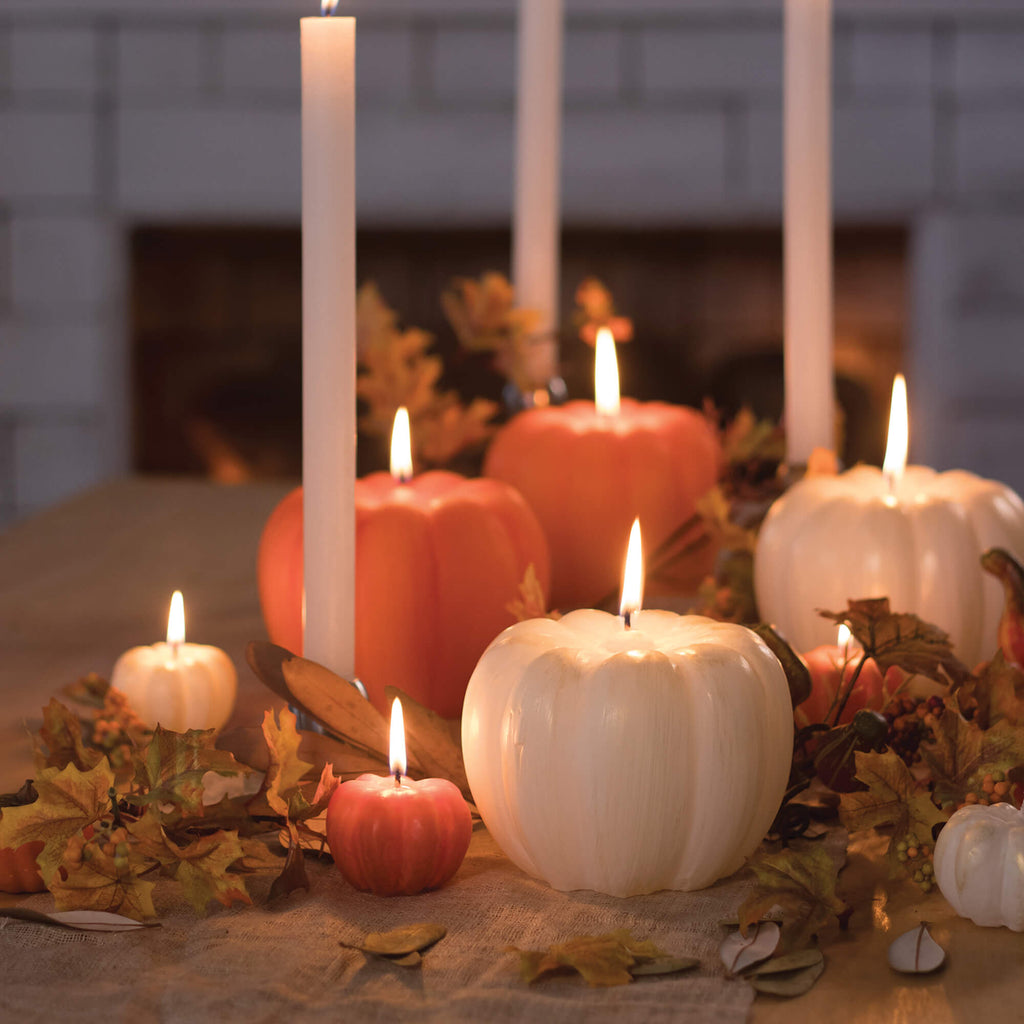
(82, 582)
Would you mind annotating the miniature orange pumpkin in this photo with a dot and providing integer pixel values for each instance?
(18, 869)
(587, 475)
(438, 559)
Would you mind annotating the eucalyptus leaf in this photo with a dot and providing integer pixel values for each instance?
(789, 962)
(664, 965)
(916, 952)
(412, 938)
(739, 951)
(791, 983)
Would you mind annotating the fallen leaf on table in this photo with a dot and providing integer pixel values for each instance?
(789, 984)
(81, 920)
(411, 938)
(916, 952)
(790, 962)
(739, 951)
(802, 882)
(601, 960)
(666, 965)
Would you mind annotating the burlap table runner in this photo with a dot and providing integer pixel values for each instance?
(284, 963)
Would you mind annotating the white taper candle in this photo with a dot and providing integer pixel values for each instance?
(537, 218)
(809, 385)
(329, 339)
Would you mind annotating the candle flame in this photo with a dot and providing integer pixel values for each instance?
(176, 619)
(843, 635)
(899, 435)
(328, 7)
(633, 576)
(401, 447)
(606, 374)
(397, 748)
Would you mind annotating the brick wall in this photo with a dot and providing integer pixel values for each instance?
(113, 113)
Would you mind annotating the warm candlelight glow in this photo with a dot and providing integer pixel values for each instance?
(633, 576)
(401, 447)
(606, 374)
(899, 434)
(328, 7)
(397, 748)
(843, 635)
(176, 619)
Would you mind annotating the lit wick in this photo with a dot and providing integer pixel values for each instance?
(328, 7)
(899, 436)
(632, 577)
(401, 447)
(397, 746)
(176, 623)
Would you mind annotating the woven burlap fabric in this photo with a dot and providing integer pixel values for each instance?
(284, 962)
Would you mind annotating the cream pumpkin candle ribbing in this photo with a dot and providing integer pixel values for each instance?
(627, 760)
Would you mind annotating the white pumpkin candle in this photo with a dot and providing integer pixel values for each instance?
(627, 759)
(909, 534)
(177, 685)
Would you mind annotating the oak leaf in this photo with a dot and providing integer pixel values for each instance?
(801, 881)
(100, 883)
(286, 770)
(893, 799)
(901, 639)
(203, 870)
(68, 800)
(600, 959)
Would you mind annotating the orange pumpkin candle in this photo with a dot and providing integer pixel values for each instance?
(588, 469)
(438, 558)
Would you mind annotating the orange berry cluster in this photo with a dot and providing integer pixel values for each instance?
(995, 789)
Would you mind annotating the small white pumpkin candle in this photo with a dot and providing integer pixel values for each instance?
(177, 685)
(630, 753)
(902, 532)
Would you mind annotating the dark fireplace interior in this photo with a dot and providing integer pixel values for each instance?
(216, 329)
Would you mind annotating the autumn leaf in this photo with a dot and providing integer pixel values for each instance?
(601, 959)
(101, 883)
(997, 693)
(893, 798)
(286, 769)
(68, 800)
(903, 640)
(89, 690)
(203, 870)
(61, 734)
(595, 309)
(962, 753)
(531, 603)
(801, 881)
(172, 767)
(293, 875)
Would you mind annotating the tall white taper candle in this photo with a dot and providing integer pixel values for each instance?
(329, 339)
(537, 220)
(809, 386)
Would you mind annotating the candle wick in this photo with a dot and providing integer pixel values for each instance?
(398, 780)
(627, 617)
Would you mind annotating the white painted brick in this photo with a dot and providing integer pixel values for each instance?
(227, 162)
(435, 167)
(697, 60)
(63, 263)
(988, 60)
(384, 63)
(892, 61)
(54, 460)
(989, 148)
(51, 364)
(473, 65)
(883, 155)
(46, 154)
(625, 165)
(162, 63)
(593, 64)
(261, 61)
(53, 61)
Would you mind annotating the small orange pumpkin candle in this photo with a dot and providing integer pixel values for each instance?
(588, 468)
(393, 836)
(438, 559)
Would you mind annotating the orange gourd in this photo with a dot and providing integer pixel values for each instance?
(587, 475)
(438, 559)
(18, 869)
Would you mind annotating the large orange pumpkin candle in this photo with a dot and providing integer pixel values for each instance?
(588, 468)
(393, 836)
(438, 559)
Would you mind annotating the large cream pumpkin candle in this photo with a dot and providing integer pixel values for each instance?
(177, 685)
(438, 559)
(627, 754)
(902, 532)
(587, 468)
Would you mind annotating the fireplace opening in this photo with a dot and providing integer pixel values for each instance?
(216, 329)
